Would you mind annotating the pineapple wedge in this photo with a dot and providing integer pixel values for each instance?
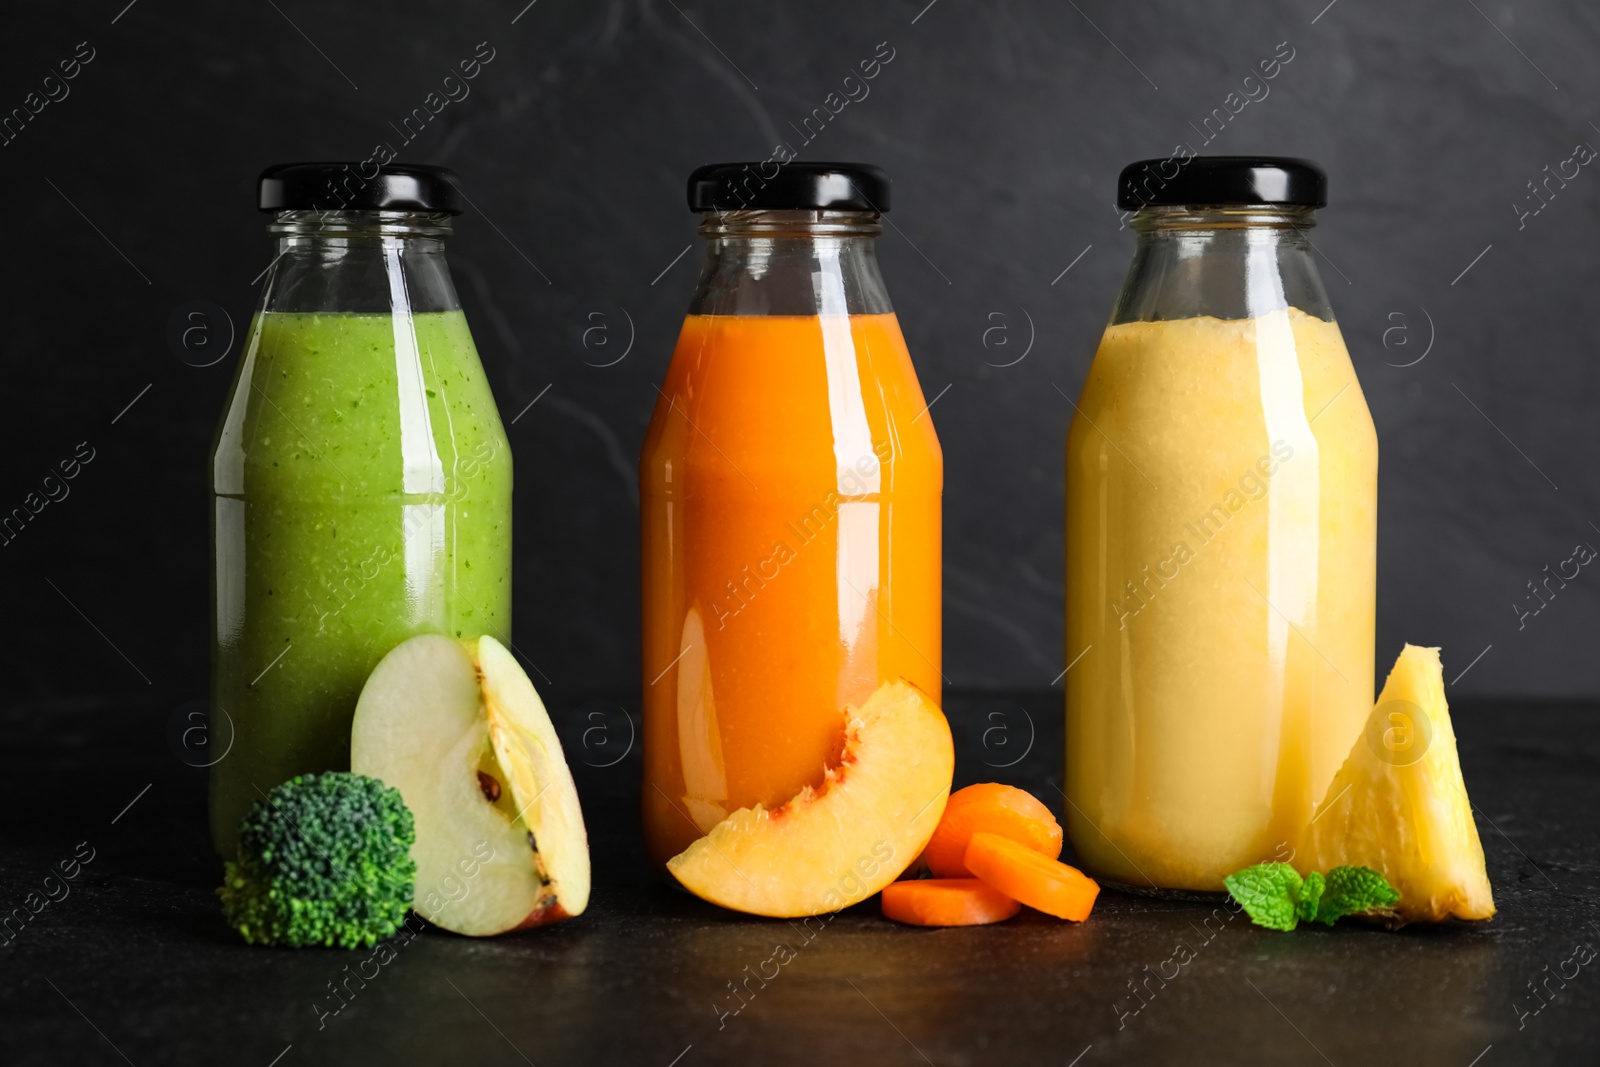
(1399, 805)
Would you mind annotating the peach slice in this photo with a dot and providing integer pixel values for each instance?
(828, 848)
(457, 727)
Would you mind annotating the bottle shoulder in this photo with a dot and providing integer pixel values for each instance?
(800, 399)
(1159, 388)
(349, 400)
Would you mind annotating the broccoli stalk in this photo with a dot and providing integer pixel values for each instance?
(325, 859)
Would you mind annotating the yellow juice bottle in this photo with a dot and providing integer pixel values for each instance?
(1221, 535)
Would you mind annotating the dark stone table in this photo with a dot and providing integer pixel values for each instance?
(134, 963)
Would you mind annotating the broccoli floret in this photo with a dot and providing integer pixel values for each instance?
(325, 859)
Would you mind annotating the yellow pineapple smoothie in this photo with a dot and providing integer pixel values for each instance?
(1221, 569)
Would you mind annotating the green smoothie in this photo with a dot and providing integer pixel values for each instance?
(362, 495)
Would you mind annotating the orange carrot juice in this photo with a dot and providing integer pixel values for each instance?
(790, 488)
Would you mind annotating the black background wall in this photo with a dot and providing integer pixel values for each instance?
(1003, 124)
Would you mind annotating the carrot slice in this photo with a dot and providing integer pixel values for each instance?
(1038, 881)
(947, 902)
(994, 808)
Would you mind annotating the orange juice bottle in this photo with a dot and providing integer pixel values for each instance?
(790, 489)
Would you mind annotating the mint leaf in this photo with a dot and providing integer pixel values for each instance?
(1269, 894)
(1305, 904)
(1354, 889)
(1275, 896)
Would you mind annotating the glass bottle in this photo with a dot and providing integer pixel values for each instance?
(790, 494)
(1221, 535)
(361, 477)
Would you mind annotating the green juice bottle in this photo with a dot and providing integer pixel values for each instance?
(361, 476)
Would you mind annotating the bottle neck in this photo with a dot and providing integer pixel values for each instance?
(1236, 262)
(359, 262)
(790, 263)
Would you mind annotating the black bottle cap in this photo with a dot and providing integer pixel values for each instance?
(1221, 180)
(771, 185)
(363, 186)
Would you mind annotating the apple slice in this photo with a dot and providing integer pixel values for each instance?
(457, 727)
(828, 848)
